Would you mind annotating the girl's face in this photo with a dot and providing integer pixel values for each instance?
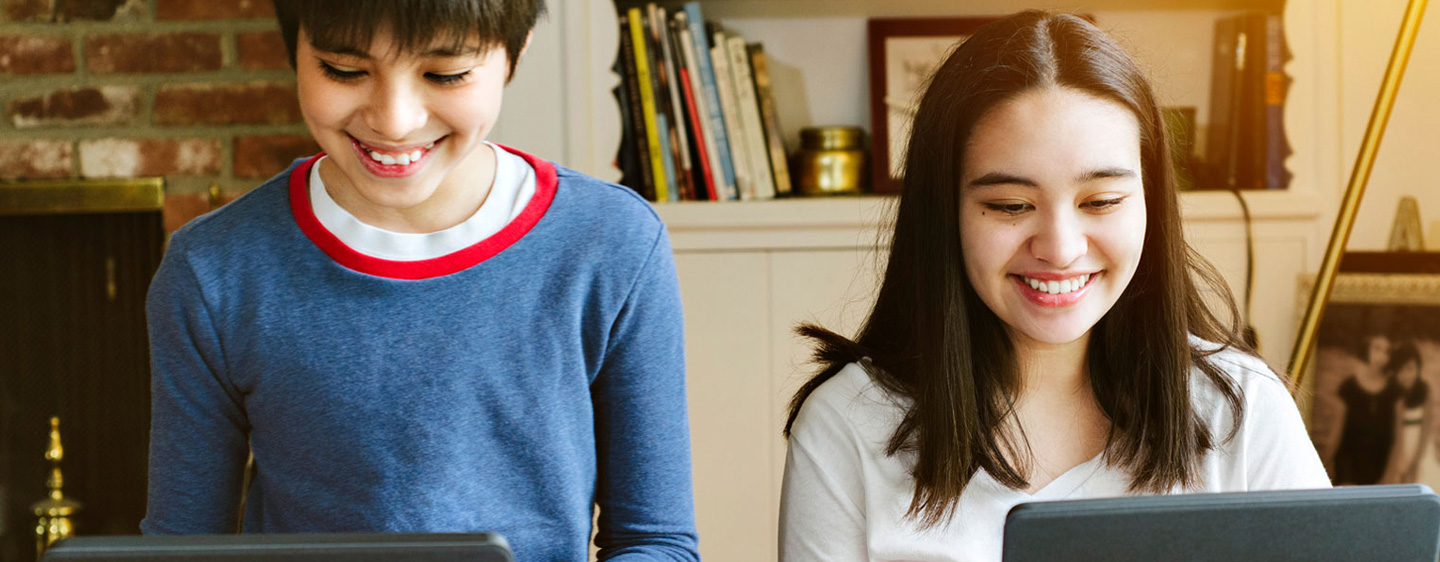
(1408, 373)
(1379, 353)
(1052, 211)
(401, 129)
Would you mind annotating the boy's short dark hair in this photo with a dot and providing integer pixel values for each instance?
(335, 25)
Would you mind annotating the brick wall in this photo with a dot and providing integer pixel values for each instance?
(197, 91)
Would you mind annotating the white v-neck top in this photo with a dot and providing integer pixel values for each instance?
(844, 499)
(512, 188)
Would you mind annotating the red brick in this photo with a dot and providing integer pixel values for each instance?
(167, 52)
(99, 10)
(227, 104)
(213, 9)
(35, 159)
(104, 105)
(262, 50)
(265, 156)
(129, 158)
(28, 10)
(20, 54)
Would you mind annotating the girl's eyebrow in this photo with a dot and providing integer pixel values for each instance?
(1001, 178)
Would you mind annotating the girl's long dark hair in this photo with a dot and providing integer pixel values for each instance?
(931, 340)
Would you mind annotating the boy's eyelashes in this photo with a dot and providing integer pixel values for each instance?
(351, 75)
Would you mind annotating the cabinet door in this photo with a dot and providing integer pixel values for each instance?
(727, 366)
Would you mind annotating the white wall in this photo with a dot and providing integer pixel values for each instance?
(1409, 159)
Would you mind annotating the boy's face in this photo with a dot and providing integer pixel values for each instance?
(402, 128)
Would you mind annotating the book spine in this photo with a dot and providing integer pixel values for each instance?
(1222, 77)
(770, 120)
(645, 179)
(1252, 151)
(702, 106)
(711, 95)
(660, 68)
(757, 156)
(706, 174)
(647, 103)
(703, 180)
(677, 105)
(725, 83)
(1277, 146)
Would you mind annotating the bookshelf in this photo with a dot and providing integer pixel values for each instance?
(750, 270)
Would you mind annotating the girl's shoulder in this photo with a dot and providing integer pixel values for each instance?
(1262, 390)
(850, 406)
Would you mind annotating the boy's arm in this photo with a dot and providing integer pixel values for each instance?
(198, 431)
(642, 433)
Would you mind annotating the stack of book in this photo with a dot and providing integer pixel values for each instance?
(1247, 147)
(698, 117)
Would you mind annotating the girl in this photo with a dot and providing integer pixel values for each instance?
(1038, 334)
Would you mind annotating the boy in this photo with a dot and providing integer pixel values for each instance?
(419, 331)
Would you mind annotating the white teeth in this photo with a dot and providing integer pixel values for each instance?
(373, 156)
(1058, 287)
(415, 156)
(387, 159)
(430, 146)
(403, 160)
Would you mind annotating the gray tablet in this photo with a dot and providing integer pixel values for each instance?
(476, 547)
(1361, 523)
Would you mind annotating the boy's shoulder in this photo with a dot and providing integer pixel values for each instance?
(249, 220)
(593, 198)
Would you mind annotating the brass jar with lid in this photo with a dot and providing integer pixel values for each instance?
(831, 161)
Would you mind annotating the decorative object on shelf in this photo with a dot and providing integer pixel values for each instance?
(55, 511)
(1405, 234)
(1377, 370)
(903, 54)
(831, 160)
(1355, 189)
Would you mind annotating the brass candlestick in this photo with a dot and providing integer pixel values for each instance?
(55, 511)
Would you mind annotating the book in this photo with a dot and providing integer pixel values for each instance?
(704, 108)
(647, 103)
(1277, 145)
(711, 95)
(757, 157)
(1250, 150)
(770, 120)
(636, 152)
(725, 84)
(1223, 78)
(704, 177)
(673, 134)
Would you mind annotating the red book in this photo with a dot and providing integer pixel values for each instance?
(689, 91)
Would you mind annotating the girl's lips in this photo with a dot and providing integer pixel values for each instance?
(1048, 300)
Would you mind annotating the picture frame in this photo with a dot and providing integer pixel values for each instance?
(904, 52)
(1375, 379)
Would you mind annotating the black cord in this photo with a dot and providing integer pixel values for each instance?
(1249, 334)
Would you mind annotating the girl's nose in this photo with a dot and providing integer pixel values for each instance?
(1060, 241)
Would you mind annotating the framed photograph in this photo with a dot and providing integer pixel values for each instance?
(903, 54)
(1377, 370)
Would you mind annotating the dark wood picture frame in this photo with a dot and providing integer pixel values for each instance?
(880, 33)
(1380, 302)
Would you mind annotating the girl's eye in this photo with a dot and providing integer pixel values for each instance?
(447, 79)
(1008, 208)
(340, 75)
(1104, 204)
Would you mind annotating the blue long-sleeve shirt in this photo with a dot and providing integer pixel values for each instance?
(510, 387)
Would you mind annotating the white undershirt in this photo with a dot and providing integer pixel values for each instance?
(512, 189)
(845, 500)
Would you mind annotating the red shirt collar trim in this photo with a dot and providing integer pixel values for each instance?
(459, 260)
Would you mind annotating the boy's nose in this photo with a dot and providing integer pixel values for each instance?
(395, 112)
(1060, 241)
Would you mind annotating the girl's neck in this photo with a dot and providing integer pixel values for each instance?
(1047, 367)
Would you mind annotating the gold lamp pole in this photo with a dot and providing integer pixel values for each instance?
(1359, 176)
(55, 511)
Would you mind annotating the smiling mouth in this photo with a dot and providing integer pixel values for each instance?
(1059, 287)
(395, 158)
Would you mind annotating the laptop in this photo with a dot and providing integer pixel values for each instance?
(1399, 523)
(476, 547)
